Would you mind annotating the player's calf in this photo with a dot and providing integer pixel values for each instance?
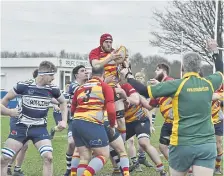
(163, 146)
(151, 151)
(45, 149)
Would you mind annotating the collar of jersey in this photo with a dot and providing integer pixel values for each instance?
(191, 74)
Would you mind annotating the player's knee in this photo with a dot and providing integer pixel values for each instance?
(46, 151)
(144, 143)
(219, 143)
(164, 141)
(48, 158)
(7, 155)
(71, 142)
(131, 141)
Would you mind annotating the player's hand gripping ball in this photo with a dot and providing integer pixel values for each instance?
(123, 55)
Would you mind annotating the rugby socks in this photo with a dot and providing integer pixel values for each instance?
(134, 160)
(9, 166)
(124, 163)
(153, 118)
(123, 134)
(68, 161)
(141, 154)
(114, 155)
(95, 165)
(159, 167)
(17, 168)
(218, 160)
(82, 167)
(74, 164)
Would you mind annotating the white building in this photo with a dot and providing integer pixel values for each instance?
(21, 69)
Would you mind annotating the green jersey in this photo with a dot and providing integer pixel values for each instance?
(192, 97)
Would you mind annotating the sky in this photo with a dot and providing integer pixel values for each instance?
(76, 26)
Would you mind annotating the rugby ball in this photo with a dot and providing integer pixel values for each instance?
(123, 52)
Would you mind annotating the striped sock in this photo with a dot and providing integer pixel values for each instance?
(124, 163)
(153, 118)
(114, 155)
(68, 161)
(123, 134)
(9, 166)
(95, 165)
(141, 154)
(17, 168)
(159, 167)
(134, 160)
(74, 164)
(82, 167)
(218, 160)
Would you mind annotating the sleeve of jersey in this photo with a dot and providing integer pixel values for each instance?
(139, 87)
(56, 93)
(93, 55)
(73, 88)
(74, 104)
(153, 102)
(19, 88)
(128, 89)
(216, 80)
(164, 89)
(109, 102)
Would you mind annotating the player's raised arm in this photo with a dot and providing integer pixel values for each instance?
(95, 56)
(132, 96)
(145, 103)
(109, 102)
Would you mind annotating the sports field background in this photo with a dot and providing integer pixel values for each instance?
(32, 165)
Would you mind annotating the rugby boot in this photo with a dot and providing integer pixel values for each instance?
(145, 162)
(18, 173)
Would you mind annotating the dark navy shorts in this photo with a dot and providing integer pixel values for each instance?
(110, 137)
(57, 117)
(70, 128)
(219, 128)
(140, 128)
(89, 134)
(23, 133)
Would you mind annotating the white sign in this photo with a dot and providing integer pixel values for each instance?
(71, 63)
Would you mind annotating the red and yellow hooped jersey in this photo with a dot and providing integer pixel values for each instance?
(110, 68)
(217, 113)
(90, 102)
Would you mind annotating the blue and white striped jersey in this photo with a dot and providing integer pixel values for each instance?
(35, 101)
(73, 87)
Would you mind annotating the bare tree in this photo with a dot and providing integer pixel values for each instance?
(196, 19)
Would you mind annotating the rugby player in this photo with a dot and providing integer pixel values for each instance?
(20, 156)
(72, 157)
(105, 56)
(217, 119)
(88, 106)
(36, 95)
(138, 123)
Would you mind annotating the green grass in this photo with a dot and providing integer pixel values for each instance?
(32, 165)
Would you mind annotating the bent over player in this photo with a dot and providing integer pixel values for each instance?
(88, 105)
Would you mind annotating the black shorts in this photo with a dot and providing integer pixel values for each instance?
(23, 133)
(166, 130)
(219, 128)
(110, 137)
(140, 128)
